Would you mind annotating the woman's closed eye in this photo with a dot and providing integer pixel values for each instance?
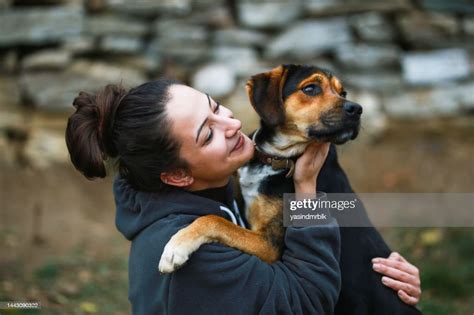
(211, 132)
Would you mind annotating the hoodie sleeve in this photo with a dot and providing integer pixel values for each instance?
(222, 280)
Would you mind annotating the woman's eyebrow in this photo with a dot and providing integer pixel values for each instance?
(205, 120)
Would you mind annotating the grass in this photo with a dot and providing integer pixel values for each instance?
(78, 284)
(445, 257)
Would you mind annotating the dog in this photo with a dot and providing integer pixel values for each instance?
(297, 105)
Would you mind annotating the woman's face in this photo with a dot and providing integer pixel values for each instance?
(211, 140)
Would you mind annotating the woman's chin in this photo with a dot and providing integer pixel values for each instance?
(244, 153)
(247, 149)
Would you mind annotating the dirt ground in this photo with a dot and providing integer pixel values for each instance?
(47, 214)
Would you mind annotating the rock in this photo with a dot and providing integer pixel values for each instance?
(321, 7)
(446, 100)
(322, 62)
(54, 92)
(9, 91)
(422, 29)
(240, 37)
(240, 59)
(107, 73)
(215, 79)
(10, 99)
(150, 7)
(79, 44)
(207, 4)
(49, 59)
(410, 105)
(121, 44)
(4, 4)
(94, 6)
(435, 66)
(180, 41)
(338, 7)
(178, 31)
(463, 94)
(383, 81)
(373, 27)
(45, 148)
(9, 61)
(238, 102)
(468, 25)
(39, 25)
(364, 56)
(216, 16)
(8, 156)
(310, 38)
(144, 63)
(266, 14)
(100, 25)
(471, 61)
(458, 6)
(180, 52)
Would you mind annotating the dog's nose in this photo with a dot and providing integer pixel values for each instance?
(352, 109)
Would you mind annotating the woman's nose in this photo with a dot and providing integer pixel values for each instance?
(231, 126)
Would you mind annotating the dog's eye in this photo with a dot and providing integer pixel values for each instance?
(343, 94)
(311, 90)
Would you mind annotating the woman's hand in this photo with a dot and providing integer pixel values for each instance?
(401, 276)
(307, 167)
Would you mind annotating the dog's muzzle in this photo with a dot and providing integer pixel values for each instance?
(338, 126)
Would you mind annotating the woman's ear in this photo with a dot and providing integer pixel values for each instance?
(179, 178)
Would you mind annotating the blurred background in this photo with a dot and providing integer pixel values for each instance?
(410, 63)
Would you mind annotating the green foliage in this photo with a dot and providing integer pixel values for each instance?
(445, 257)
(48, 272)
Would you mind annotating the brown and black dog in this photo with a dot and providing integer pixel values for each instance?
(297, 105)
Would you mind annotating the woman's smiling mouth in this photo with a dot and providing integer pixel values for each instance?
(239, 144)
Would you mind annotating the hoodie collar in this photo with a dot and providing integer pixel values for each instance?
(135, 210)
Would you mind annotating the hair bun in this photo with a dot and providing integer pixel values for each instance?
(89, 132)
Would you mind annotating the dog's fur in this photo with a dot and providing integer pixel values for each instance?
(297, 105)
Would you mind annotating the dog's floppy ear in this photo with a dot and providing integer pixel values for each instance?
(265, 91)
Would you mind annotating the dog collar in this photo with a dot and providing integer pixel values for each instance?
(276, 162)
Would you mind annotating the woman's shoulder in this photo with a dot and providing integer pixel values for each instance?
(159, 213)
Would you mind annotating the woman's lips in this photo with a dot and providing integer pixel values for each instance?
(239, 143)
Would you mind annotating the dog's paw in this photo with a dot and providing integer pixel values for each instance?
(174, 256)
(178, 250)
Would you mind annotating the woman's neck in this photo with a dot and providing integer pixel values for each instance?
(201, 185)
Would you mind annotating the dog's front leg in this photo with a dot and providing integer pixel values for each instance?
(212, 228)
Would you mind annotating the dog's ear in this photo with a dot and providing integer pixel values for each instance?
(265, 91)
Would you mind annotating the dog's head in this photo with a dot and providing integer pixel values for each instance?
(304, 103)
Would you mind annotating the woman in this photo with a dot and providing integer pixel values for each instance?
(175, 149)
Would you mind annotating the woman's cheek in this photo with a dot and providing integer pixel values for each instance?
(212, 150)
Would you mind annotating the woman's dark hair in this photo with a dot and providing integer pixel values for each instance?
(129, 127)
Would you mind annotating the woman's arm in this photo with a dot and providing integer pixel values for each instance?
(221, 280)
(401, 276)
(305, 281)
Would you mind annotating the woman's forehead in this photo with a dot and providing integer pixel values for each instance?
(183, 94)
(187, 109)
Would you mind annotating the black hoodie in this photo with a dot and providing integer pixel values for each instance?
(218, 279)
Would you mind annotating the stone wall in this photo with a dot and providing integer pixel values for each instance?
(400, 58)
